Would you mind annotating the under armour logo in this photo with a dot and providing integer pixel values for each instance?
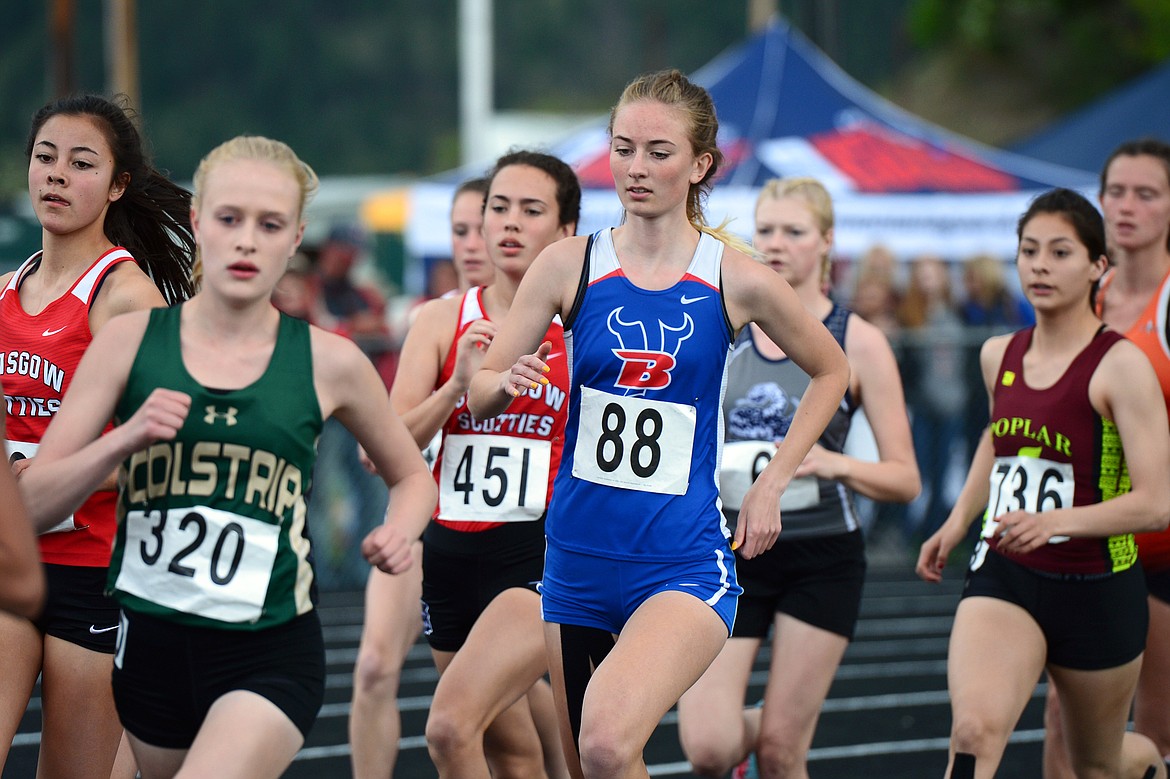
(229, 416)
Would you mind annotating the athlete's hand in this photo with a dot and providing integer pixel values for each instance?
(20, 466)
(1021, 532)
(758, 525)
(528, 372)
(470, 349)
(822, 463)
(932, 557)
(388, 549)
(159, 418)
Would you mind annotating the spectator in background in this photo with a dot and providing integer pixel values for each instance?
(349, 499)
(936, 389)
(875, 299)
(442, 278)
(990, 308)
(294, 294)
(345, 305)
(875, 295)
(989, 301)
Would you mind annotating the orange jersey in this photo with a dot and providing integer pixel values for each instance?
(1150, 335)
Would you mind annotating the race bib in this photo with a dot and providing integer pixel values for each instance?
(1028, 484)
(741, 466)
(634, 443)
(23, 450)
(199, 561)
(492, 478)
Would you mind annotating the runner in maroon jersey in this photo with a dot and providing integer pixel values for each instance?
(1072, 463)
(1135, 299)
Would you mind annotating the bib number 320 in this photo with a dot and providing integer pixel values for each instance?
(199, 560)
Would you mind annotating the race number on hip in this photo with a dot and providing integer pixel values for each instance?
(492, 478)
(1028, 484)
(741, 466)
(200, 561)
(634, 443)
(23, 450)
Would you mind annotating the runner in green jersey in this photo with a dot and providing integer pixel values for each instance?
(219, 403)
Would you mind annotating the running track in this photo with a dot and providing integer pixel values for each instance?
(887, 713)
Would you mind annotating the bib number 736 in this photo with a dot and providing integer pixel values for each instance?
(1028, 484)
(199, 560)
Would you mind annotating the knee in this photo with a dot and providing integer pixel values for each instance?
(709, 757)
(376, 672)
(447, 732)
(974, 735)
(779, 758)
(604, 752)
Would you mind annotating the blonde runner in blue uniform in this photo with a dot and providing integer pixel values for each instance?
(639, 588)
(219, 669)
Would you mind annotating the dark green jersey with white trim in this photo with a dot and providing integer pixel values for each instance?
(212, 525)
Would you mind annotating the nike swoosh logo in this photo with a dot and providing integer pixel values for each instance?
(94, 629)
(687, 301)
(552, 355)
(47, 333)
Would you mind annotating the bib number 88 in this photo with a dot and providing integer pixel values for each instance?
(633, 442)
(647, 429)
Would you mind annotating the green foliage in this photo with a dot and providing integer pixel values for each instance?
(370, 86)
(1073, 49)
(356, 86)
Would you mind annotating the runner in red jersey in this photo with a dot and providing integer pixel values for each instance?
(100, 205)
(392, 621)
(1135, 299)
(484, 554)
(1072, 463)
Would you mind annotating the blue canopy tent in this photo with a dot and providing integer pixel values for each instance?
(1087, 136)
(785, 109)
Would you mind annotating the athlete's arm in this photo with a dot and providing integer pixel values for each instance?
(74, 457)
(349, 388)
(876, 384)
(972, 499)
(424, 408)
(753, 293)
(512, 363)
(126, 288)
(1125, 389)
(22, 580)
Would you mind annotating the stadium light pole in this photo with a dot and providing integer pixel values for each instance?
(122, 50)
(760, 14)
(475, 79)
(60, 23)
